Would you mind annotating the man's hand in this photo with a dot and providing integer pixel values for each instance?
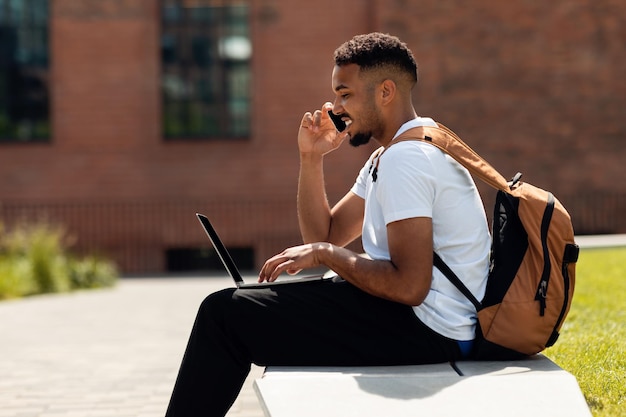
(292, 261)
(317, 133)
(405, 278)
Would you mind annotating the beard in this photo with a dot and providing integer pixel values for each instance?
(371, 124)
(359, 139)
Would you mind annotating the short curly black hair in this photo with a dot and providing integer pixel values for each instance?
(377, 50)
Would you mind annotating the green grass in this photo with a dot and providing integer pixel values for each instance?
(593, 338)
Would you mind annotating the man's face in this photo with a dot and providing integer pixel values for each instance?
(355, 103)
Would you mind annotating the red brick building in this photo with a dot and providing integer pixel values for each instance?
(127, 157)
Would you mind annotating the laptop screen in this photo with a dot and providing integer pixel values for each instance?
(228, 262)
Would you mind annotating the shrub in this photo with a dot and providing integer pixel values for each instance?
(15, 277)
(34, 259)
(92, 272)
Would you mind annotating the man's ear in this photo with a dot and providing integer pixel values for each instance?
(388, 91)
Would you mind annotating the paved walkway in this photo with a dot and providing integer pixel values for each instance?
(106, 353)
(601, 241)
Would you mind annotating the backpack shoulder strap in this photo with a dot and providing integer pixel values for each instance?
(455, 280)
(446, 140)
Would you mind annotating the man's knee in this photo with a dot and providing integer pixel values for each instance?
(215, 306)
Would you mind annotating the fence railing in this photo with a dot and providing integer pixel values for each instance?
(138, 234)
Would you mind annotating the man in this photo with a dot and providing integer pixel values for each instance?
(392, 307)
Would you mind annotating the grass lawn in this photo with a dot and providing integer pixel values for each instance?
(592, 345)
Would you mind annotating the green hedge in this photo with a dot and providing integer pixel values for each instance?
(34, 259)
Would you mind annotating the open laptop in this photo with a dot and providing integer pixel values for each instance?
(232, 269)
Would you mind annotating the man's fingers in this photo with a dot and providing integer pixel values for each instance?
(273, 268)
(317, 118)
(278, 269)
(307, 119)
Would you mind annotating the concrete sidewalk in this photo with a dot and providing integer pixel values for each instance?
(106, 353)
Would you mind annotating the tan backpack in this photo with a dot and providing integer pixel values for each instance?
(533, 255)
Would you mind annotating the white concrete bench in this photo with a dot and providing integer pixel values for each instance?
(534, 387)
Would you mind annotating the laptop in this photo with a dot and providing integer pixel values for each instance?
(232, 269)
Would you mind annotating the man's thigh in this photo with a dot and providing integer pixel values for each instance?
(329, 324)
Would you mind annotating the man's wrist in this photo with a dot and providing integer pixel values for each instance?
(310, 157)
(323, 251)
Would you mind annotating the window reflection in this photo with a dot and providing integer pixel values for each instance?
(206, 53)
(24, 97)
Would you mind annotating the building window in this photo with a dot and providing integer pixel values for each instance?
(24, 98)
(206, 52)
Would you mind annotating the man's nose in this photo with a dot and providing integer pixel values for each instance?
(337, 108)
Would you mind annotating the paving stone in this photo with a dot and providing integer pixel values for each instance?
(103, 353)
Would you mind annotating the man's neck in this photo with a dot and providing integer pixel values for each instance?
(399, 117)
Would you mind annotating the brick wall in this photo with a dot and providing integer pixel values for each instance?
(534, 87)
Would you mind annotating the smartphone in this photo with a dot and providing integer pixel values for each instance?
(340, 125)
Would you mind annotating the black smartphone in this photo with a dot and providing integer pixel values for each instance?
(340, 125)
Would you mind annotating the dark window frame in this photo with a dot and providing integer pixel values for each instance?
(206, 69)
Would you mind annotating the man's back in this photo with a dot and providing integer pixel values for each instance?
(415, 179)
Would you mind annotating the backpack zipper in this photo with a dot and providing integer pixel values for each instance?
(570, 256)
(542, 289)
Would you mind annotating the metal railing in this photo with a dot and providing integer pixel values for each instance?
(137, 234)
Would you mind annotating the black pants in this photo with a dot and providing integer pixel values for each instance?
(303, 324)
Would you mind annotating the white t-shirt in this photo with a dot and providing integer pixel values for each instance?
(415, 179)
